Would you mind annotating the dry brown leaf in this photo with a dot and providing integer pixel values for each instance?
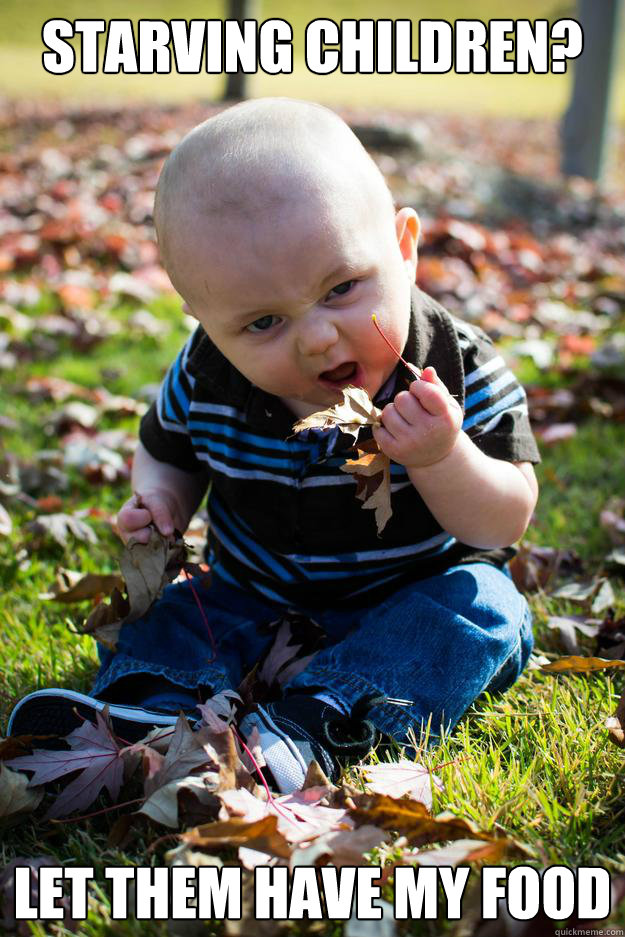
(188, 751)
(340, 847)
(575, 664)
(534, 567)
(163, 805)
(73, 586)
(462, 851)
(372, 471)
(355, 411)
(59, 527)
(615, 724)
(260, 834)
(413, 820)
(371, 468)
(16, 797)
(106, 619)
(147, 568)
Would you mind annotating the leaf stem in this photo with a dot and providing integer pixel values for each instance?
(411, 367)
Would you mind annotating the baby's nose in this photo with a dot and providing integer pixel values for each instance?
(316, 334)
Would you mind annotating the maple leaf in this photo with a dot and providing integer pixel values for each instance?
(355, 411)
(371, 468)
(372, 471)
(401, 778)
(94, 752)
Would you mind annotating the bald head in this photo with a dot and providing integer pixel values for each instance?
(258, 157)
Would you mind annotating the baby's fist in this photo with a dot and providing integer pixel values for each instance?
(421, 425)
(155, 507)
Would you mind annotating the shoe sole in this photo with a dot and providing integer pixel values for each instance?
(50, 712)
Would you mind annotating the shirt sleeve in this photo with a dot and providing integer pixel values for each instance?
(495, 407)
(164, 429)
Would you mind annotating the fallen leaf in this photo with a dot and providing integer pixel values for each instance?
(74, 586)
(257, 834)
(187, 752)
(534, 567)
(400, 779)
(413, 820)
(95, 753)
(162, 805)
(60, 526)
(460, 852)
(576, 664)
(567, 627)
(17, 797)
(340, 847)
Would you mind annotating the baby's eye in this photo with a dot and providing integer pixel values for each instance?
(262, 324)
(343, 288)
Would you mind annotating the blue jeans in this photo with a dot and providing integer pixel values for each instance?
(438, 642)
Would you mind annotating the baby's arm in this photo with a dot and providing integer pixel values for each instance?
(167, 497)
(481, 501)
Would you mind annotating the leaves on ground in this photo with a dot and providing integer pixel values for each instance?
(94, 752)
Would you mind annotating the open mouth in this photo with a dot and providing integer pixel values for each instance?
(342, 375)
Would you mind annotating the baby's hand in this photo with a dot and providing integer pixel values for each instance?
(155, 506)
(421, 426)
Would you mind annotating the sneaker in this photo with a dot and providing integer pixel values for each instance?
(60, 711)
(301, 728)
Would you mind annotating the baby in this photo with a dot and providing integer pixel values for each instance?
(280, 234)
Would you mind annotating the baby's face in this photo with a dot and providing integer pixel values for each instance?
(288, 297)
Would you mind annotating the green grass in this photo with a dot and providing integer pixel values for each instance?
(534, 763)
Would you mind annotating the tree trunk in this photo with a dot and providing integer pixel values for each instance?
(584, 127)
(237, 83)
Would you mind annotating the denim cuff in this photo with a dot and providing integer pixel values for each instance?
(123, 666)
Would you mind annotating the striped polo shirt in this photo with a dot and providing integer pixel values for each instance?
(284, 521)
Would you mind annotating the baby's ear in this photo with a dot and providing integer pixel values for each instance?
(407, 227)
